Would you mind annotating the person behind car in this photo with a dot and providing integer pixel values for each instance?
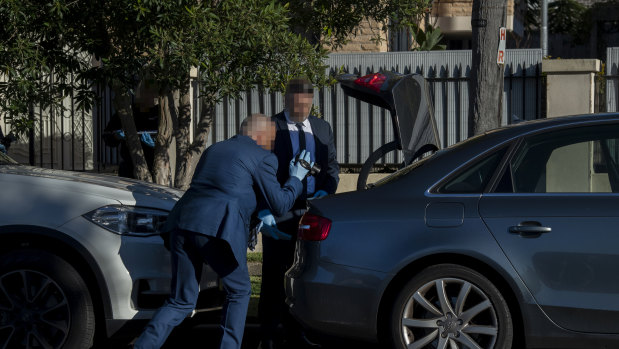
(5, 141)
(146, 118)
(2, 146)
(296, 129)
(210, 223)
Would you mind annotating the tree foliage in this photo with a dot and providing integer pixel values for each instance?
(51, 49)
(564, 17)
(38, 65)
(331, 23)
(428, 39)
(234, 44)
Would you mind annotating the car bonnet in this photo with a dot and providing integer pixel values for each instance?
(126, 191)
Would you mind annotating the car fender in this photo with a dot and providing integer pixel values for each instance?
(30, 236)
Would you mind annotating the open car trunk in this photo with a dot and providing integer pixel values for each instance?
(408, 100)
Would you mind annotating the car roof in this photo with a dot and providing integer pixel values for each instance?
(539, 125)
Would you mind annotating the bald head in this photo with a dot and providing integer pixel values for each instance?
(261, 129)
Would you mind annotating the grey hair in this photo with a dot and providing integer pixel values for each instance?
(244, 129)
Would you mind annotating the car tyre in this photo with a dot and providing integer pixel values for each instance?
(450, 306)
(44, 302)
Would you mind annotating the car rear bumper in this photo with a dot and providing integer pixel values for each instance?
(335, 299)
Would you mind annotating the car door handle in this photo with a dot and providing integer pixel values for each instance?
(529, 229)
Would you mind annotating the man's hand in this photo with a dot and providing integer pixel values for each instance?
(296, 170)
(319, 194)
(266, 217)
(119, 134)
(269, 228)
(147, 139)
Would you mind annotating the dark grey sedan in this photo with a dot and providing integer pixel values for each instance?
(508, 239)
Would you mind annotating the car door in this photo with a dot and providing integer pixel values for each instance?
(555, 213)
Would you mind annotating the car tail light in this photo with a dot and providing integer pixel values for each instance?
(374, 81)
(313, 227)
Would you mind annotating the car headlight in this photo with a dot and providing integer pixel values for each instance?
(128, 220)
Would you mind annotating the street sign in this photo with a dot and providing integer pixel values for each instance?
(500, 59)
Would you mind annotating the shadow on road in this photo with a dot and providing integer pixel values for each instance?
(203, 332)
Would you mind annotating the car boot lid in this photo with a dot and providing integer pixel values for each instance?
(408, 99)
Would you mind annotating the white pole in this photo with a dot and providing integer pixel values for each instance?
(544, 31)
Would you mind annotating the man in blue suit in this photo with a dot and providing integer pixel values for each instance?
(297, 129)
(210, 223)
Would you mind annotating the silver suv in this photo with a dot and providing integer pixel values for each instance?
(80, 254)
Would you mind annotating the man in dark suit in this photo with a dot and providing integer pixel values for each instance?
(210, 223)
(296, 129)
(146, 117)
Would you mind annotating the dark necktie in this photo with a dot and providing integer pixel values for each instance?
(301, 134)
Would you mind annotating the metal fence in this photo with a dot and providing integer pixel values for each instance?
(359, 128)
(612, 79)
(62, 137)
(72, 140)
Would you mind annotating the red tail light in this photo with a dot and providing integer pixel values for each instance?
(373, 81)
(313, 227)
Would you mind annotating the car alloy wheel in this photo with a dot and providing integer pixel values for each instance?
(450, 306)
(44, 303)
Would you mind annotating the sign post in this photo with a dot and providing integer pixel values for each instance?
(502, 38)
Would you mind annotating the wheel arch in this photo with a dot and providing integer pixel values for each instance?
(485, 269)
(14, 237)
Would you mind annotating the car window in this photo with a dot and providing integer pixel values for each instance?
(476, 177)
(467, 142)
(577, 160)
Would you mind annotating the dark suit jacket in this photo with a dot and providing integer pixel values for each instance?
(326, 156)
(222, 195)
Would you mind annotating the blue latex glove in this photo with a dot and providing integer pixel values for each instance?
(147, 139)
(266, 217)
(319, 194)
(269, 228)
(2, 148)
(119, 134)
(296, 170)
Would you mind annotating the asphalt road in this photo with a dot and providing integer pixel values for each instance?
(203, 333)
(206, 336)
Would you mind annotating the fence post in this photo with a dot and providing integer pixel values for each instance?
(570, 86)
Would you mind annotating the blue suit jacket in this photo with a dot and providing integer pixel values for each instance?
(326, 156)
(222, 195)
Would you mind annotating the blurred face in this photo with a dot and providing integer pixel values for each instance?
(262, 130)
(299, 105)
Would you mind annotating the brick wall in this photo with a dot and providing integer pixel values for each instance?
(362, 41)
(455, 8)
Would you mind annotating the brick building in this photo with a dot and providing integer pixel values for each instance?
(452, 16)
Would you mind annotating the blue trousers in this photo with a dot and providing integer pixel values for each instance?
(189, 251)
